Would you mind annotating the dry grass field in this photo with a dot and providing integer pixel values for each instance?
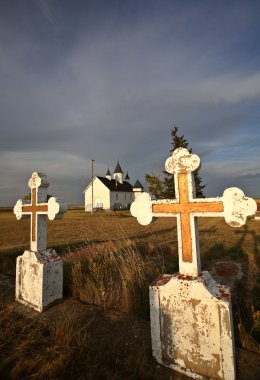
(79, 227)
(109, 262)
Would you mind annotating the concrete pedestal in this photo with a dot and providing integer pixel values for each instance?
(191, 326)
(39, 279)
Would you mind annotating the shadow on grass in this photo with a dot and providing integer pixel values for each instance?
(246, 292)
(81, 344)
(8, 262)
(256, 242)
(147, 235)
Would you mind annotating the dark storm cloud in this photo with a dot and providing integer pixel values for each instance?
(108, 79)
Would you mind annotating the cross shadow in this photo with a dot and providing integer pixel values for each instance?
(245, 292)
(209, 230)
(147, 234)
(256, 242)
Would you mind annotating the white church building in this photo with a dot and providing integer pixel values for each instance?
(111, 193)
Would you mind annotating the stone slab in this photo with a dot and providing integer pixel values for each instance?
(39, 279)
(191, 326)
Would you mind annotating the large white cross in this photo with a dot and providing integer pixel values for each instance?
(233, 206)
(38, 209)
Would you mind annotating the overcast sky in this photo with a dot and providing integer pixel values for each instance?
(107, 80)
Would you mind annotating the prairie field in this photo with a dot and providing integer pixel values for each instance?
(78, 227)
(109, 262)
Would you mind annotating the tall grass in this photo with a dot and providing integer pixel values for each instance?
(108, 346)
(118, 274)
(41, 350)
(114, 274)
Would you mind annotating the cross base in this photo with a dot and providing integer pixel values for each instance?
(39, 279)
(191, 326)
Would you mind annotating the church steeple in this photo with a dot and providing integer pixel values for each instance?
(118, 173)
(138, 188)
(108, 175)
(127, 178)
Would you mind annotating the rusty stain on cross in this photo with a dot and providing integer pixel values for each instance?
(233, 205)
(35, 209)
(185, 207)
(38, 210)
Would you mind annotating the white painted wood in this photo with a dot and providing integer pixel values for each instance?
(236, 207)
(39, 279)
(191, 315)
(107, 197)
(181, 160)
(191, 322)
(39, 271)
(54, 209)
(99, 191)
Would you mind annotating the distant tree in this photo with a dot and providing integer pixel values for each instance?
(164, 187)
(155, 185)
(28, 197)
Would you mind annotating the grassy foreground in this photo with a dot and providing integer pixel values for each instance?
(109, 261)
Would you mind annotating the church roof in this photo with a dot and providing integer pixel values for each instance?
(127, 177)
(138, 185)
(108, 172)
(114, 185)
(118, 168)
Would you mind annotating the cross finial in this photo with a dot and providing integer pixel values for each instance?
(233, 206)
(38, 209)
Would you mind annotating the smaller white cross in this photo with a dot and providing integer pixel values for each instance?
(38, 209)
(233, 205)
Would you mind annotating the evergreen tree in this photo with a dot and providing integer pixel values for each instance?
(164, 188)
(155, 185)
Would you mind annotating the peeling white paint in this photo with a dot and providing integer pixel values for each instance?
(182, 160)
(39, 279)
(54, 208)
(236, 207)
(39, 271)
(191, 315)
(192, 328)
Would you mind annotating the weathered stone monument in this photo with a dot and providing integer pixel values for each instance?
(191, 315)
(39, 271)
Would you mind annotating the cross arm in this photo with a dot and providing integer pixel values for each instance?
(56, 208)
(18, 210)
(233, 206)
(237, 207)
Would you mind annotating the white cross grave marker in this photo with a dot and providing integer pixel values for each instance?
(39, 271)
(233, 205)
(191, 315)
(38, 210)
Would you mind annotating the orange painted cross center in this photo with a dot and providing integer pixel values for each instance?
(185, 208)
(34, 208)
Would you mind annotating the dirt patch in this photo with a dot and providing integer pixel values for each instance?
(226, 272)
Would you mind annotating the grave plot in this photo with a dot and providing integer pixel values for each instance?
(39, 271)
(191, 315)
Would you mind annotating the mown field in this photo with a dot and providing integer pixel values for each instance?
(109, 262)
